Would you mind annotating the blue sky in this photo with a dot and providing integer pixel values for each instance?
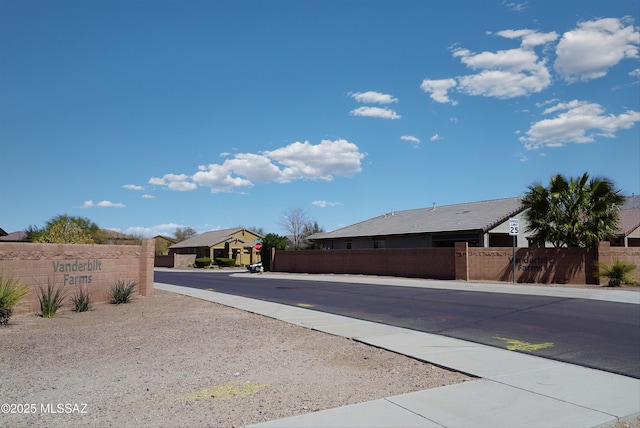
(144, 116)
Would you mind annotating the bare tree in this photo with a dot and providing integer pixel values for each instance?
(182, 234)
(295, 221)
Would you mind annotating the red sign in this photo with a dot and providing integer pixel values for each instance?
(258, 246)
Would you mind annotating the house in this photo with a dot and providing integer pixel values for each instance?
(162, 244)
(113, 237)
(13, 236)
(237, 244)
(480, 224)
(628, 233)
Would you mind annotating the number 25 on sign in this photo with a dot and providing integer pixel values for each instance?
(514, 226)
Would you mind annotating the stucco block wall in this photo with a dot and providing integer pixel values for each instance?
(533, 265)
(608, 254)
(408, 262)
(183, 261)
(95, 267)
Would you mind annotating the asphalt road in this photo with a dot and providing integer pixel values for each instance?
(590, 333)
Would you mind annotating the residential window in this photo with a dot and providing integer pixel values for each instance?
(378, 243)
(348, 245)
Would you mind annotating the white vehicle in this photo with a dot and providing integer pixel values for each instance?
(255, 268)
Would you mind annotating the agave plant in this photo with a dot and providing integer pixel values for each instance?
(617, 272)
(81, 300)
(122, 291)
(51, 299)
(11, 291)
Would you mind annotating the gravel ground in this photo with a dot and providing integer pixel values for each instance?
(170, 360)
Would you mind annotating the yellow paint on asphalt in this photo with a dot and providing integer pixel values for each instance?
(519, 345)
(305, 305)
(227, 391)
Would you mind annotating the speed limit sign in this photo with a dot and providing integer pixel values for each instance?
(514, 226)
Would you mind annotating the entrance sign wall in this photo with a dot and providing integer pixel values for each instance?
(70, 266)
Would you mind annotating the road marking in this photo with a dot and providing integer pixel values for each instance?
(519, 345)
(305, 305)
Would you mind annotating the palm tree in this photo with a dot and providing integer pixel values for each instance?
(577, 212)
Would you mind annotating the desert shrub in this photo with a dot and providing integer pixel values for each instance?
(617, 272)
(203, 261)
(51, 299)
(225, 262)
(81, 300)
(11, 291)
(122, 291)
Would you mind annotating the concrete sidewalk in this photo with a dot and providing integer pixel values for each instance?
(513, 389)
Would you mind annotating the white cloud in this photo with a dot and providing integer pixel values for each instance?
(635, 73)
(384, 113)
(576, 122)
(324, 204)
(147, 196)
(439, 89)
(219, 178)
(588, 51)
(506, 84)
(514, 60)
(516, 7)
(157, 181)
(372, 97)
(502, 74)
(178, 182)
(253, 167)
(530, 38)
(297, 161)
(161, 229)
(435, 137)
(102, 204)
(132, 187)
(415, 142)
(506, 73)
(322, 161)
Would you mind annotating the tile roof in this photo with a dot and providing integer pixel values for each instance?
(483, 215)
(209, 239)
(629, 215)
(168, 238)
(13, 236)
(631, 202)
(629, 221)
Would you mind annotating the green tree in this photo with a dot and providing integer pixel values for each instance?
(308, 230)
(33, 233)
(575, 212)
(162, 247)
(65, 229)
(271, 240)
